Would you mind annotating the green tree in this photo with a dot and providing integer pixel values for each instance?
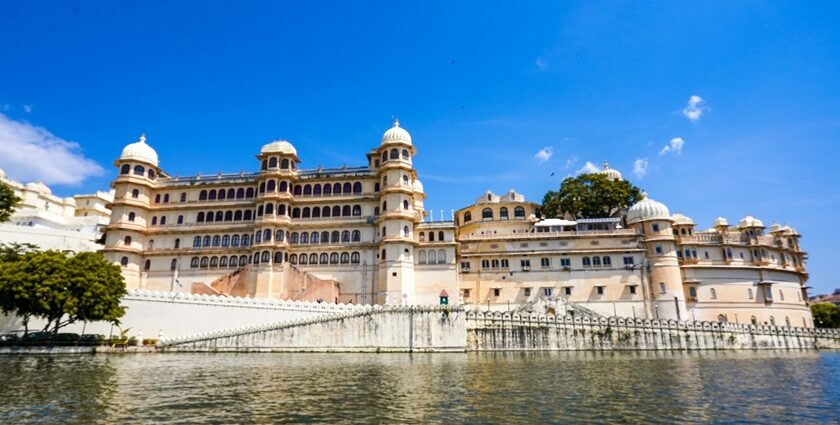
(590, 196)
(61, 288)
(8, 202)
(826, 315)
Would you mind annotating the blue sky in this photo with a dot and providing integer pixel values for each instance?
(494, 81)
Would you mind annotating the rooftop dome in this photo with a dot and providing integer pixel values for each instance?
(721, 222)
(647, 209)
(140, 151)
(418, 187)
(681, 219)
(38, 187)
(279, 146)
(750, 221)
(396, 134)
(611, 173)
(776, 227)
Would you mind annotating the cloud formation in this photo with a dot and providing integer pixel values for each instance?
(542, 64)
(640, 166)
(570, 162)
(27, 108)
(544, 154)
(588, 168)
(694, 108)
(673, 147)
(30, 153)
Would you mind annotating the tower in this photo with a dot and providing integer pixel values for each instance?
(397, 218)
(130, 211)
(665, 290)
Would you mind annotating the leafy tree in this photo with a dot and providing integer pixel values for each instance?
(14, 251)
(590, 196)
(826, 315)
(8, 202)
(61, 288)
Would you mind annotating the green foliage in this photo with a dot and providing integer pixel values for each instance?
(826, 315)
(8, 202)
(61, 288)
(589, 196)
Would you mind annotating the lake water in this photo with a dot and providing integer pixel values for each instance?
(634, 387)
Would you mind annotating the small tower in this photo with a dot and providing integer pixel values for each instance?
(397, 218)
(653, 221)
(133, 190)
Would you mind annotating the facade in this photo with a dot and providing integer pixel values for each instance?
(362, 235)
(51, 222)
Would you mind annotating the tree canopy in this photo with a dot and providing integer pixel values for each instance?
(8, 202)
(826, 315)
(61, 288)
(589, 196)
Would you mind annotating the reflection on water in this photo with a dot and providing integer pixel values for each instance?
(801, 387)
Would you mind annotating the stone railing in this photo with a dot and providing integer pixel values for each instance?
(258, 303)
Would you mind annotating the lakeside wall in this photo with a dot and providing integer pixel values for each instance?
(370, 329)
(512, 332)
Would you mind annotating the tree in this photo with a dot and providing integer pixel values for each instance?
(826, 315)
(61, 288)
(8, 202)
(590, 196)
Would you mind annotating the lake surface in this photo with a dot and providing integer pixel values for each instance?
(632, 387)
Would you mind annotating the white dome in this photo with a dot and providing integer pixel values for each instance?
(750, 221)
(721, 222)
(647, 209)
(681, 219)
(776, 227)
(611, 173)
(396, 134)
(38, 187)
(279, 146)
(140, 151)
(418, 187)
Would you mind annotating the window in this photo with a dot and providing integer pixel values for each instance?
(503, 213)
(632, 289)
(487, 214)
(355, 258)
(607, 261)
(567, 290)
(173, 264)
(180, 219)
(654, 227)
(357, 210)
(628, 261)
(441, 256)
(587, 262)
(781, 295)
(131, 216)
(749, 293)
(124, 261)
(505, 263)
(197, 242)
(125, 169)
(357, 236)
(692, 292)
(150, 245)
(713, 293)
(527, 292)
(163, 221)
(658, 249)
(127, 240)
(547, 292)
(599, 290)
(154, 221)
(525, 264)
(596, 261)
(177, 243)
(467, 217)
(519, 212)
(405, 231)
(465, 266)
(661, 287)
(566, 262)
(545, 263)
(485, 264)
(139, 170)
(136, 193)
(440, 236)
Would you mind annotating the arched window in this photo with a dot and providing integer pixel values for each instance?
(209, 216)
(278, 257)
(283, 187)
(431, 236)
(306, 212)
(467, 217)
(661, 287)
(587, 262)
(194, 262)
(345, 258)
(422, 236)
(316, 212)
(316, 190)
(383, 255)
(266, 257)
(232, 261)
(247, 215)
(405, 204)
(163, 221)
(325, 211)
(226, 240)
(269, 209)
(440, 236)
(357, 187)
(355, 258)
(325, 237)
(125, 169)
(177, 243)
(281, 209)
(264, 165)
(384, 156)
(406, 231)
(382, 234)
(154, 221)
(334, 258)
(214, 261)
(337, 189)
(405, 180)
(294, 237)
(246, 240)
(596, 261)
(284, 164)
(222, 194)
(296, 213)
(607, 261)
(721, 318)
(219, 216)
(173, 264)
(307, 190)
(131, 216)
(357, 210)
(150, 245)
(136, 193)
(334, 236)
(197, 242)
(713, 293)
(432, 257)
(313, 259)
(258, 237)
(421, 257)
(127, 240)
(249, 193)
(376, 187)
(345, 211)
(231, 193)
(240, 193)
(357, 236)
(205, 241)
(124, 261)
(139, 170)
(487, 214)
(271, 186)
(180, 219)
(223, 261)
(345, 236)
(324, 259)
(243, 260)
(347, 187)
(441, 256)
(405, 153)
(336, 211)
(327, 189)
(394, 154)
(262, 187)
(772, 321)
(280, 235)
(217, 240)
(272, 162)
(315, 237)
(205, 261)
(183, 197)
(228, 215)
(234, 240)
(211, 195)
(519, 212)
(303, 259)
(503, 213)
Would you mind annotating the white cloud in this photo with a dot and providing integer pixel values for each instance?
(588, 168)
(674, 146)
(27, 108)
(544, 154)
(570, 162)
(694, 108)
(30, 153)
(542, 64)
(640, 166)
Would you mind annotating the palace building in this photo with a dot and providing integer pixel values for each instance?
(362, 235)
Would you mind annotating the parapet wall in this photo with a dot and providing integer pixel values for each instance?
(502, 332)
(369, 329)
